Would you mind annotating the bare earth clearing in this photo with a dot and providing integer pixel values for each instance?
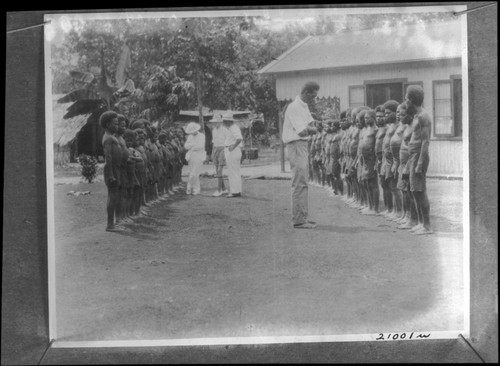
(202, 266)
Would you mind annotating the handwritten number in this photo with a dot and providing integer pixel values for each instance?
(395, 336)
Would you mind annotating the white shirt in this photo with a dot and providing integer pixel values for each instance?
(219, 136)
(195, 143)
(233, 133)
(297, 117)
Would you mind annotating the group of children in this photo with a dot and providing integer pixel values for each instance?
(382, 150)
(143, 166)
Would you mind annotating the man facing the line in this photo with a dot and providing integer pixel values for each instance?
(296, 131)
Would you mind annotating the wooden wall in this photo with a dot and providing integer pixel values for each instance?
(446, 158)
(446, 155)
(335, 83)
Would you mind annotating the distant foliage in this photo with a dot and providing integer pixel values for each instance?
(171, 60)
(163, 95)
(89, 167)
(327, 108)
(261, 139)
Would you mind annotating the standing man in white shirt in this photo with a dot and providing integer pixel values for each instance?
(218, 158)
(296, 131)
(232, 152)
(195, 146)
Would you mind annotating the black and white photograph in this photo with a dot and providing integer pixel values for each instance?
(257, 176)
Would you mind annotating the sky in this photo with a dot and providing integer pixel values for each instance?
(275, 18)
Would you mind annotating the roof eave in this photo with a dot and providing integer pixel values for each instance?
(286, 53)
(365, 65)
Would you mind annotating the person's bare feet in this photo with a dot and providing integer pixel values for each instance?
(416, 228)
(423, 231)
(114, 229)
(306, 225)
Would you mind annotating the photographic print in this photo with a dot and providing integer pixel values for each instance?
(253, 176)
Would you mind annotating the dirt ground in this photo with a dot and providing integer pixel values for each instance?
(203, 266)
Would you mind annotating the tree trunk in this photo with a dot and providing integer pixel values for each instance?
(282, 147)
(198, 95)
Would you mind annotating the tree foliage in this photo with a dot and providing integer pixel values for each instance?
(171, 57)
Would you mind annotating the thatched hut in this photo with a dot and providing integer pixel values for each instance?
(65, 132)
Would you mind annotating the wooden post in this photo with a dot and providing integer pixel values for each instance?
(280, 133)
(250, 132)
(198, 95)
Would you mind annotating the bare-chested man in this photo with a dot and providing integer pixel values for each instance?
(418, 161)
(410, 218)
(395, 145)
(150, 191)
(338, 185)
(112, 155)
(171, 150)
(310, 158)
(379, 138)
(125, 184)
(156, 161)
(179, 140)
(360, 181)
(133, 191)
(352, 149)
(317, 154)
(327, 157)
(390, 108)
(145, 174)
(345, 126)
(323, 156)
(369, 173)
(164, 159)
(362, 197)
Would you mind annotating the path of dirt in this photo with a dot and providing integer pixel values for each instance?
(202, 266)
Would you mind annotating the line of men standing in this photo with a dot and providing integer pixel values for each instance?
(369, 150)
(142, 166)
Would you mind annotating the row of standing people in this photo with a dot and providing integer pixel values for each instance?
(142, 166)
(371, 151)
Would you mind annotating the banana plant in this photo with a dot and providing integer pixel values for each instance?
(96, 92)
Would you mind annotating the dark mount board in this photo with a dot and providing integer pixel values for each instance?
(24, 271)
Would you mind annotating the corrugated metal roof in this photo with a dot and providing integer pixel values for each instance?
(424, 41)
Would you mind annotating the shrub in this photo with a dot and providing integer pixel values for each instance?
(89, 167)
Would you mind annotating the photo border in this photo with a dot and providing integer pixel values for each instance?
(493, 213)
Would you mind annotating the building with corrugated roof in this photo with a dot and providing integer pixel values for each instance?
(372, 66)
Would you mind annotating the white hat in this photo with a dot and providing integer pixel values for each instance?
(216, 118)
(192, 127)
(228, 117)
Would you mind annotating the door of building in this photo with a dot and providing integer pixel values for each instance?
(377, 94)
